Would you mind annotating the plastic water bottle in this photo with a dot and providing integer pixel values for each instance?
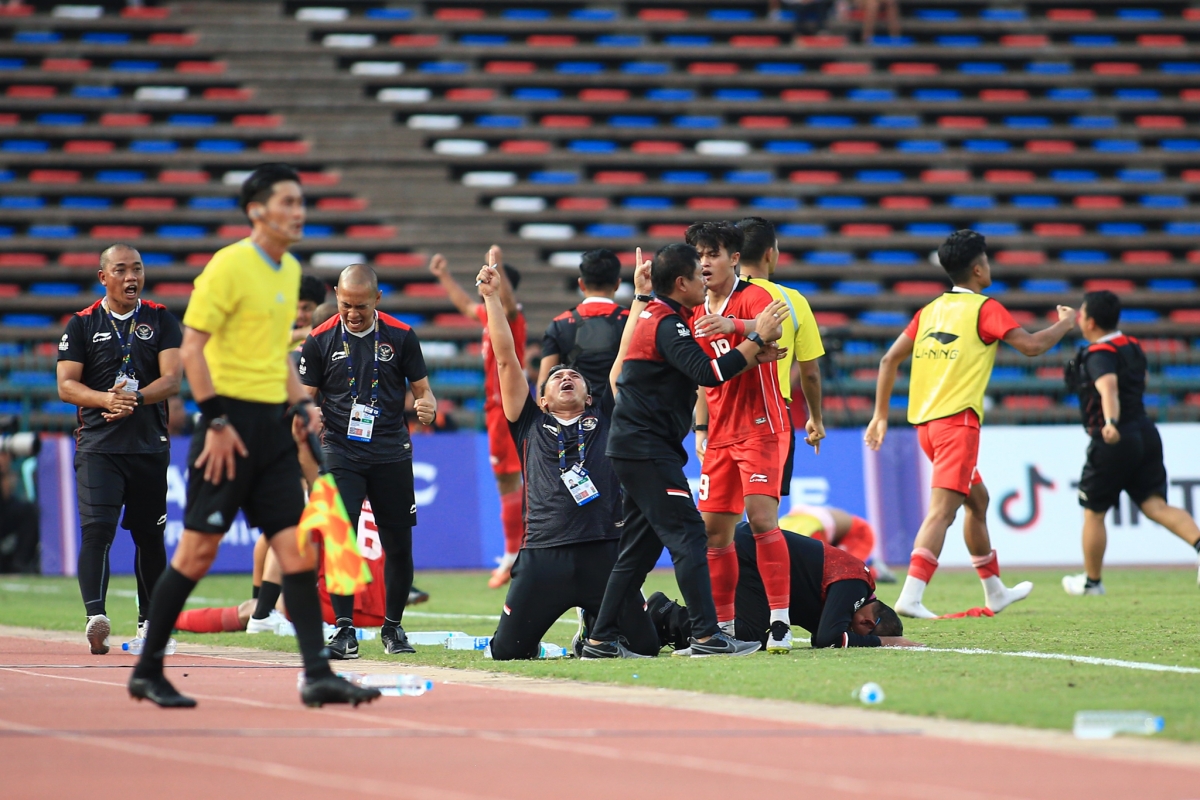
(468, 642)
(869, 693)
(437, 638)
(1107, 724)
(391, 685)
(135, 646)
(547, 650)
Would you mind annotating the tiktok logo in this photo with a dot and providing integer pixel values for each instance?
(1036, 482)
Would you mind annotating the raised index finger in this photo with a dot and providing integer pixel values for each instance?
(637, 256)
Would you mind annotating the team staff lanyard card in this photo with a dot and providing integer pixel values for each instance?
(126, 342)
(362, 417)
(576, 479)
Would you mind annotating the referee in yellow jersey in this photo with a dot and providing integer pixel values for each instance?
(237, 334)
(801, 337)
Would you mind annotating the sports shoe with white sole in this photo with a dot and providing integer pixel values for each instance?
(268, 624)
(343, 645)
(1009, 596)
(780, 638)
(1076, 585)
(721, 645)
(395, 640)
(915, 610)
(595, 652)
(97, 631)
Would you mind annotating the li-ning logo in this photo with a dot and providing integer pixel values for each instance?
(758, 477)
(101, 336)
(942, 338)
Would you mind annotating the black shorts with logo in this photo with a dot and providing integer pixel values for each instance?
(266, 485)
(1133, 465)
(107, 481)
(789, 465)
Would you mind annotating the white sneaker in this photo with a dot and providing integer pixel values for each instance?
(999, 601)
(780, 638)
(915, 609)
(1076, 585)
(97, 630)
(268, 625)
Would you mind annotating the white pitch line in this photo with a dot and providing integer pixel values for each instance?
(486, 617)
(1099, 662)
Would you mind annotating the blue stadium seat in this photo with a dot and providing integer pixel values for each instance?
(197, 231)
(192, 120)
(1117, 146)
(1137, 95)
(929, 229)
(986, 146)
(959, 40)
(1139, 14)
(997, 228)
(318, 231)
(1027, 122)
(1163, 201)
(553, 177)
(896, 121)
(12, 203)
(593, 15)
(1125, 229)
(892, 258)
(684, 176)
(779, 68)
(1180, 145)
(880, 176)
(799, 230)
(803, 287)
(860, 348)
(105, 37)
(775, 203)
(610, 230)
(937, 95)
(687, 40)
(51, 231)
(153, 146)
(738, 95)
(500, 121)
(53, 289)
(25, 146)
(443, 67)
(85, 203)
(120, 176)
(871, 95)
(971, 201)
(892, 319)
(633, 121)
(936, 14)
(830, 121)
(1093, 121)
(861, 288)
(1034, 201)
(981, 68)
(1182, 228)
(61, 118)
(828, 258)
(37, 37)
(219, 146)
(645, 68)
(389, 14)
(1180, 67)
(1171, 284)
(1008, 374)
(1093, 40)
(647, 203)
(6, 232)
(483, 39)
(96, 92)
(671, 95)
(921, 146)
(621, 40)
(749, 176)
(1140, 175)
(526, 14)
(6, 175)
(1072, 95)
(1139, 315)
(792, 148)
(840, 203)
(28, 321)
(592, 146)
(1046, 285)
(1083, 257)
(536, 94)
(133, 65)
(579, 68)
(1073, 175)
(997, 287)
(1048, 68)
(690, 121)
(163, 259)
(1002, 14)
(731, 15)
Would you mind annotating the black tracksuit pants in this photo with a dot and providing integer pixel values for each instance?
(659, 511)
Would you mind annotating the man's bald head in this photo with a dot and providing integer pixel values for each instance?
(359, 276)
(119, 253)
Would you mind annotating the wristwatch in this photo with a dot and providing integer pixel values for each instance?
(643, 298)
(754, 337)
(141, 400)
(1113, 422)
(218, 423)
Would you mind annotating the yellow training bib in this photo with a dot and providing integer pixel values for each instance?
(950, 363)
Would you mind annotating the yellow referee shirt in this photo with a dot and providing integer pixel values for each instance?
(800, 333)
(247, 303)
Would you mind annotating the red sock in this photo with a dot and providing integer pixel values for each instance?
(987, 566)
(859, 541)
(209, 620)
(723, 572)
(775, 566)
(510, 517)
(923, 564)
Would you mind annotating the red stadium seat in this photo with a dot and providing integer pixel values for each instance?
(510, 67)
(1022, 316)
(1051, 146)
(764, 122)
(471, 95)
(754, 41)
(10, 290)
(405, 260)
(92, 146)
(233, 231)
(712, 203)
(172, 289)
(1158, 121)
(1190, 175)
(823, 40)
(424, 289)
(32, 260)
(1070, 15)
(30, 92)
(200, 67)
(1190, 316)
(854, 148)
(619, 176)
(582, 204)
(1146, 257)
(458, 14)
(173, 39)
(962, 122)
(54, 176)
(919, 287)
(1008, 176)
(712, 68)
(667, 231)
(289, 147)
(1028, 402)
(258, 120)
(149, 204)
(1161, 40)
(320, 178)
(815, 176)
(1164, 345)
(125, 120)
(183, 176)
(66, 64)
(415, 40)
(227, 93)
(1099, 201)
(946, 176)
(88, 259)
(566, 121)
(454, 321)
(804, 95)
(866, 229)
(10, 119)
(1116, 68)
(1025, 40)
(198, 259)
(371, 231)
(116, 231)
(846, 67)
(1108, 284)
(604, 95)
(656, 148)
(1024, 258)
(525, 147)
(904, 203)
(831, 318)
(551, 40)
(1192, 398)
(1057, 229)
(914, 68)
(1189, 95)
(145, 12)
(663, 15)
(342, 204)
(1004, 95)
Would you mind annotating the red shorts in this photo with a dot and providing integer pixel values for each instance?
(952, 444)
(501, 449)
(753, 466)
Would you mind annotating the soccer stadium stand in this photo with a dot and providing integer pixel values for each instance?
(1067, 132)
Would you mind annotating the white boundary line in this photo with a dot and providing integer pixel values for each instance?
(1099, 662)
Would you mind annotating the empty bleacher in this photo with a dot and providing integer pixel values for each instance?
(1067, 132)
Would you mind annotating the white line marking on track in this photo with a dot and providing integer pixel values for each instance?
(1100, 662)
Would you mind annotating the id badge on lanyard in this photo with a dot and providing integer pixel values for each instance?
(576, 479)
(125, 371)
(362, 422)
(362, 416)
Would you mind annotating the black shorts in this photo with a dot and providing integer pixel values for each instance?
(266, 485)
(389, 487)
(1133, 465)
(789, 466)
(107, 481)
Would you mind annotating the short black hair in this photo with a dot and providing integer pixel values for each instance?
(1104, 308)
(671, 262)
(714, 236)
(313, 289)
(257, 188)
(889, 623)
(560, 368)
(959, 253)
(758, 237)
(514, 277)
(106, 252)
(600, 269)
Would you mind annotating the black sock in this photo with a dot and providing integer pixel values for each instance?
(397, 570)
(254, 592)
(343, 607)
(1091, 582)
(170, 594)
(92, 569)
(268, 595)
(304, 606)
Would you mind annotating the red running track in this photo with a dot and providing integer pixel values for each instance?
(68, 729)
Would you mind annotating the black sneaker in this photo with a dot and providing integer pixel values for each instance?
(722, 645)
(593, 652)
(159, 691)
(416, 596)
(332, 689)
(343, 645)
(395, 641)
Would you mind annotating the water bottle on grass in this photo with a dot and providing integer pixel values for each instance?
(432, 637)
(468, 642)
(1107, 724)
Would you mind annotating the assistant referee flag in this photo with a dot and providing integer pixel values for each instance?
(346, 571)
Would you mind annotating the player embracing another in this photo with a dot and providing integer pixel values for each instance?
(953, 342)
(742, 436)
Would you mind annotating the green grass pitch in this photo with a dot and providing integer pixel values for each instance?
(1149, 615)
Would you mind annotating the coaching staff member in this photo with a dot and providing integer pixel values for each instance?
(1126, 453)
(587, 337)
(660, 367)
(235, 350)
(572, 513)
(362, 363)
(119, 362)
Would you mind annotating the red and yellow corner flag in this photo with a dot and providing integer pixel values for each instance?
(346, 571)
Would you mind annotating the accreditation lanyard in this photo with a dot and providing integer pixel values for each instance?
(562, 448)
(126, 341)
(576, 479)
(350, 367)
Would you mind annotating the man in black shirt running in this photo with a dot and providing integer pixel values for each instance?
(572, 513)
(660, 367)
(361, 363)
(119, 362)
(1126, 453)
(833, 598)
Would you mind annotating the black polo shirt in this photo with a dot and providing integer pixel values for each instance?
(323, 366)
(552, 517)
(91, 339)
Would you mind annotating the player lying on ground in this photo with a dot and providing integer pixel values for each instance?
(843, 530)
(1126, 453)
(953, 342)
(833, 598)
(572, 509)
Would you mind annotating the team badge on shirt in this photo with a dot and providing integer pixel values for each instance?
(143, 332)
(588, 423)
(64, 344)
(682, 329)
(386, 353)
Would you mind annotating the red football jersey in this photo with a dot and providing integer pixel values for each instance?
(491, 376)
(750, 404)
